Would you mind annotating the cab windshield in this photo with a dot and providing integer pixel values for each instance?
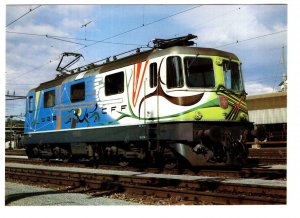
(199, 72)
(232, 76)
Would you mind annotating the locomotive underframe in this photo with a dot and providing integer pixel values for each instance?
(194, 143)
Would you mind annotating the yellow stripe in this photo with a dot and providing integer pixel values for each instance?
(37, 98)
(234, 100)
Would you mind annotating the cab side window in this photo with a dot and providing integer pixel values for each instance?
(114, 84)
(78, 92)
(174, 72)
(49, 99)
(153, 75)
(30, 104)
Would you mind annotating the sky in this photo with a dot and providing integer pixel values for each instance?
(34, 43)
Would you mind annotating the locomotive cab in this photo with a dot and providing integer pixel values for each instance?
(185, 73)
(202, 73)
(197, 95)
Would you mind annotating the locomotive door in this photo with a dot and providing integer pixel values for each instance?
(151, 106)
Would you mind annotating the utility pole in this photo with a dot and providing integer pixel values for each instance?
(284, 75)
(11, 133)
(84, 25)
(283, 84)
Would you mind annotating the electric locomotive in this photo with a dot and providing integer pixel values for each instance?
(173, 104)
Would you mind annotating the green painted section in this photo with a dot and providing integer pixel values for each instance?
(207, 111)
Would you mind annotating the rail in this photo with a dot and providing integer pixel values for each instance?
(268, 143)
(196, 189)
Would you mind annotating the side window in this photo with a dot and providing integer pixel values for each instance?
(232, 76)
(153, 75)
(78, 92)
(30, 104)
(114, 84)
(49, 99)
(174, 72)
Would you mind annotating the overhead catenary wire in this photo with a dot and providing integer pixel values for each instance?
(18, 84)
(252, 38)
(141, 26)
(213, 18)
(34, 69)
(52, 37)
(119, 34)
(103, 40)
(245, 40)
(30, 10)
(29, 34)
(60, 38)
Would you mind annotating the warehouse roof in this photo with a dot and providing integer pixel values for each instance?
(268, 108)
(267, 101)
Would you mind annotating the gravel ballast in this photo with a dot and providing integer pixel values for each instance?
(17, 194)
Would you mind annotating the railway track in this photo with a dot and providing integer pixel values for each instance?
(256, 156)
(268, 156)
(192, 189)
(15, 152)
(265, 172)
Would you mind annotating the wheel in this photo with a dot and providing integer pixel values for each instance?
(170, 162)
(238, 154)
(123, 162)
(29, 152)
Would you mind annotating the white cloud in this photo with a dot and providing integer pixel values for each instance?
(72, 10)
(254, 88)
(216, 24)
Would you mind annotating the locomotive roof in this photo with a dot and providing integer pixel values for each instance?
(135, 58)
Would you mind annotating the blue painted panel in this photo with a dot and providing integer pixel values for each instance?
(78, 114)
(66, 114)
(29, 116)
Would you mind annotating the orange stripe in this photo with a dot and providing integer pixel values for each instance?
(141, 82)
(139, 66)
(58, 125)
(133, 81)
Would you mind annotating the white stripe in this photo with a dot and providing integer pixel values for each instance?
(98, 79)
(111, 101)
(98, 86)
(79, 76)
(86, 128)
